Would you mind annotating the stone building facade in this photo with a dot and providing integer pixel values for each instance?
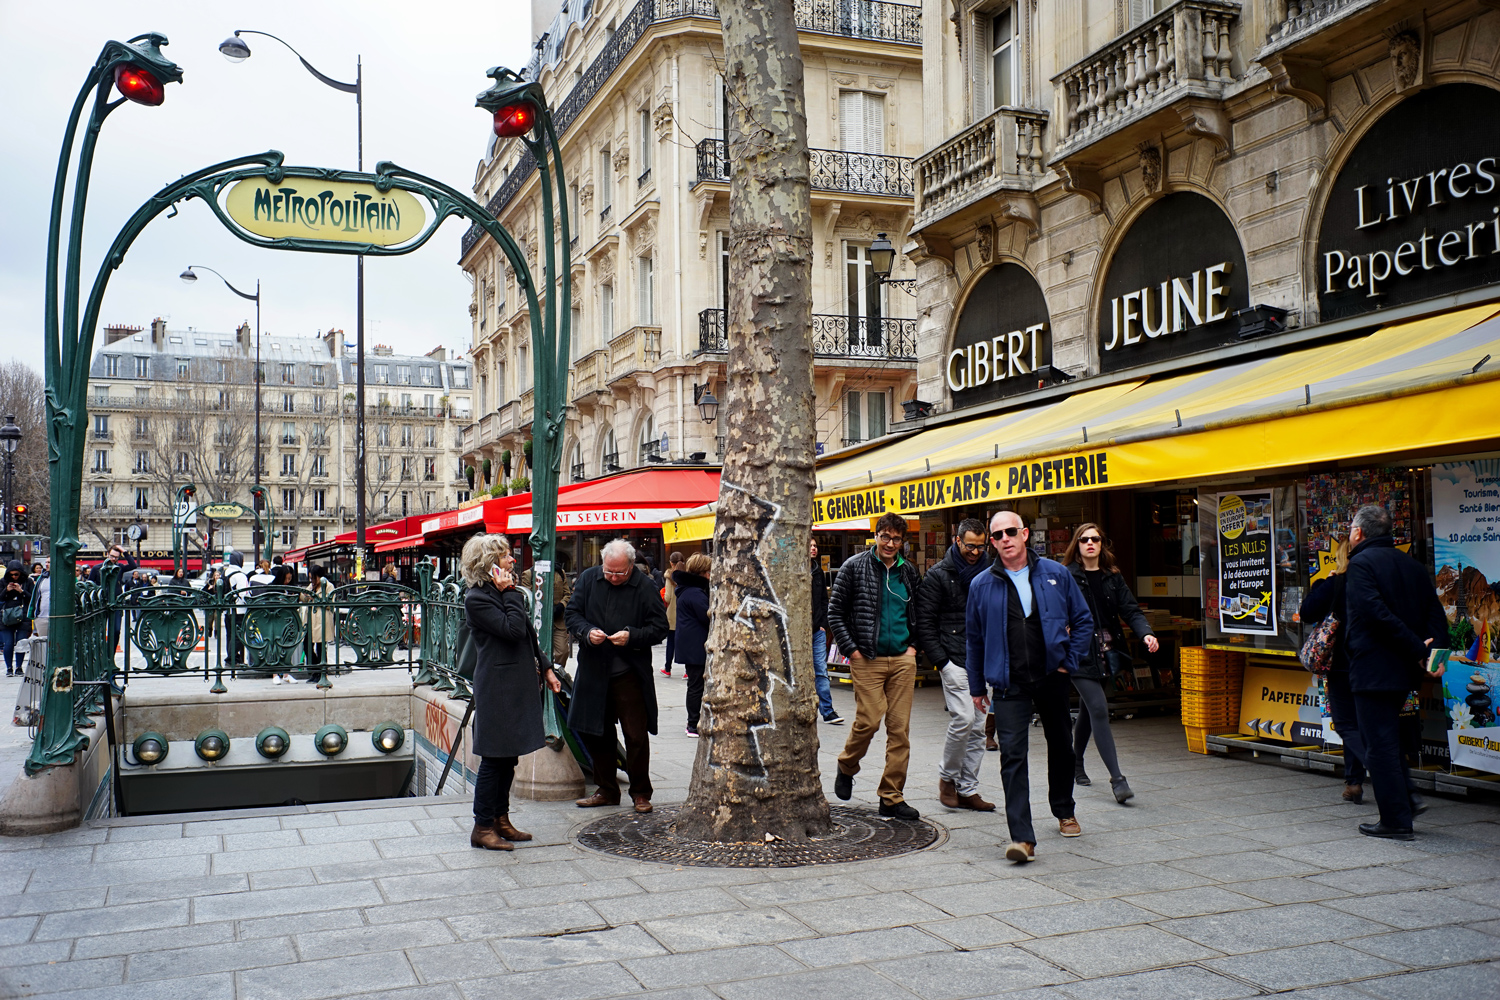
(1072, 148)
(639, 102)
(168, 407)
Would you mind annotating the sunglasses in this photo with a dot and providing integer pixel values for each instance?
(1091, 540)
(1011, 532)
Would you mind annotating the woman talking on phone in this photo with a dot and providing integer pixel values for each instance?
(507, 698)
(1109, 597)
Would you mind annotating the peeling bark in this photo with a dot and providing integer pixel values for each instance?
(756, 773)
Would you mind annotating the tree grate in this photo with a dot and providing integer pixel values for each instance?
(858, 835)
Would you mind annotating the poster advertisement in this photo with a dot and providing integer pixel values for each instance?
(1285, 705)
(1466, 535)
(1247, 570)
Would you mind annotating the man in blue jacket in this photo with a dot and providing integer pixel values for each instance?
(1393, 619)
(1028, 627)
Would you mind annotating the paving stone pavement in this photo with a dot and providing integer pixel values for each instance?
(1222, 879)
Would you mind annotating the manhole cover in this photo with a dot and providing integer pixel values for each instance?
(858, 835)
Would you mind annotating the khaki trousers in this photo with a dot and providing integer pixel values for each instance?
(882, 689)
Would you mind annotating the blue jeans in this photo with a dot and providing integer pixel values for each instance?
(820, 673)
(8, 639)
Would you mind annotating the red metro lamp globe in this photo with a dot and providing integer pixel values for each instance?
(514, 120)
(139, 85)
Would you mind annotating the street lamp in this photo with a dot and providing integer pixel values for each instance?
(236, 50)
(189, 277)
(707, 404)
(10, 438)
(882, 257)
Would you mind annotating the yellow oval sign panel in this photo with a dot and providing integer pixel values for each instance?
(338, 211)
(221, 511)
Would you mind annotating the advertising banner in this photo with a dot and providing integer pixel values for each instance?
(1282, 705)
(1247, 570)
(1466, 534)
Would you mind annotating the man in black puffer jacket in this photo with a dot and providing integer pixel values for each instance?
(942, 603)
(869, 614)
(1394, 618)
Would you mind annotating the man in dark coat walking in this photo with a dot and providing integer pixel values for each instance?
(616, 615)
(942, 603)
(1394, 618)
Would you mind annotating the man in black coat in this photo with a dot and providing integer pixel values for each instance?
(1394, 618)
(870, 617)
(616, 616)
(942, 603)
(116, 556)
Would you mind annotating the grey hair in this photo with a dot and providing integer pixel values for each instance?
(971, 526)
(480, 553)
(1372, 519)
(618, 547)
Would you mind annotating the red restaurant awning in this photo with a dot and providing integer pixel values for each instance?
(396, 544)
(642, 498)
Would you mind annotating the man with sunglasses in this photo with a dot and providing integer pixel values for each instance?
(1027, 629)
(869, 613)
(942, 601)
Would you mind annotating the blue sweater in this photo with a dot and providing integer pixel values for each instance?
(1067, 624)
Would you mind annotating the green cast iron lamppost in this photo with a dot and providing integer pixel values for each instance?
(520, 111)
(139, 72)
(236, 50)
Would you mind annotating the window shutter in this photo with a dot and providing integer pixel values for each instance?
(851, 121)
(851, 417)
(874, 123)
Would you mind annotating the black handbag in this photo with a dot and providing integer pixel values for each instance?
(468, 653)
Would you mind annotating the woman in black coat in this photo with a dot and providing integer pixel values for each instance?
(15, 606)
(1324, 598)
(1109, 598)
(692, 630)
(507, 699)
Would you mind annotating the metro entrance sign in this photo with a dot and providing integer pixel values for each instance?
(265, 202)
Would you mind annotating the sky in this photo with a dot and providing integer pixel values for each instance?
(423, 65)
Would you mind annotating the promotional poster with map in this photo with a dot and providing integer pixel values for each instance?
(1466, 535)
(1247, 569)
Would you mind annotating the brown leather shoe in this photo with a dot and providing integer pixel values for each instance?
(487, 838)
(975, 803)
(642, 804)
(597, 799)
(1020, 851)
(506, 829)
(989, 733)
(1069, 827)
(947, 793)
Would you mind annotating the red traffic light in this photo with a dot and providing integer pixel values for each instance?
(139, 85)
(20, 508)
(515, 119)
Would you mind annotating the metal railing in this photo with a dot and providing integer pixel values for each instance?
(832, 170)
(1183, 51)
(834, 336)
(1001, 151)
(874, 20)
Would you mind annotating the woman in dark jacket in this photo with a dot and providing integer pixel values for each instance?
(15, 611)
(1324, 598)
(692, 630)
(1109, 597)
(507, 702)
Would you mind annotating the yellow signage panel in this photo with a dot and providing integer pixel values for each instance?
(337, 211)
(1283, 705)
(221, 511)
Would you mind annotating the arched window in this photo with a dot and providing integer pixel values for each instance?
(576, 471)
(609, 452)
(648, 445)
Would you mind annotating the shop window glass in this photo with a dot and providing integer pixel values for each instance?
(1288, 512)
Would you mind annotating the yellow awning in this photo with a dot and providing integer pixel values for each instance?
(1403, 388)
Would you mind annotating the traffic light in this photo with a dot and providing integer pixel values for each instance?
(19, 517)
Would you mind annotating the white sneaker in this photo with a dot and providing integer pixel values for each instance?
(275, 678)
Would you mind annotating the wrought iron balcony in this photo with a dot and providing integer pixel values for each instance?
(1001, 152)
(832, 170)
(834, 336)
(1179, 61)
(873, 20)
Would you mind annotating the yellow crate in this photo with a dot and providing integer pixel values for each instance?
(1197, 738)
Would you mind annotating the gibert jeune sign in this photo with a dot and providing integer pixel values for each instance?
(1415, 211)
(1000, 338)
(1173, 285)
(339, 211)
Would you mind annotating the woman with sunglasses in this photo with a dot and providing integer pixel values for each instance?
(1109, 597)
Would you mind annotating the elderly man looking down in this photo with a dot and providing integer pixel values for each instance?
(616, 616)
